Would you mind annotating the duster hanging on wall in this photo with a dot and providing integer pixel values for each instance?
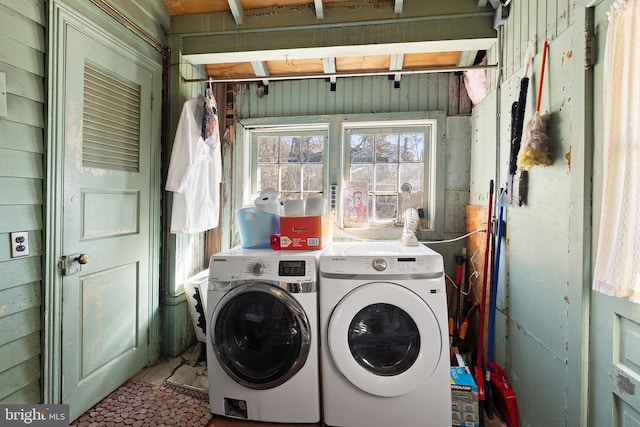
(518, 177)
(535, 142)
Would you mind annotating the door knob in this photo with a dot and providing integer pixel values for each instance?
(71, 263)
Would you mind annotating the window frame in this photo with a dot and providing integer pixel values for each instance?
(281, 164)
(429, 128)
(336, 169)
(250, 180)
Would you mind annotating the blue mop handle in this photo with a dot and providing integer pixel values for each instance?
(494, 288)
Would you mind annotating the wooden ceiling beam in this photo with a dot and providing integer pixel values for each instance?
(352, 13)
(467, 58)
(261, 70)
(319, 9)
(329, 67)
(396, 61)
(494, 3)
(321, 75)
(398, 6)
(236, 11)
(470, 32)
(395, 64)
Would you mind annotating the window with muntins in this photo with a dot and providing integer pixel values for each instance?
(393, 159)
(381, 166)
(289, 161)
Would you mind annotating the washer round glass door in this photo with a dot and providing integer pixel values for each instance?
(384, 339)
(260, 335)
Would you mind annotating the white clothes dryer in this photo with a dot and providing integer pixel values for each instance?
(262, 335)
(384, 336)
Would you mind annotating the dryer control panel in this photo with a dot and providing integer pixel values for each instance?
(401, 264)
(380, 258)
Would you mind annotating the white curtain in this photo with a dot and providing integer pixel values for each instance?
(617, 269)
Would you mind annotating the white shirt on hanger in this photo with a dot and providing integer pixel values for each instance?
(195, 173)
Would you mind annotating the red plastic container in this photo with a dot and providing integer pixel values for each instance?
(504, 398)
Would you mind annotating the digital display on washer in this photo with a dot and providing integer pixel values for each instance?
(292, 268)
(406, 259)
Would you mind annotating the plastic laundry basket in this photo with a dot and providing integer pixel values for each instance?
(256, 227)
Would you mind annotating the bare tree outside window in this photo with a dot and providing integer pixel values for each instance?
(293, 164)
(386, 159)
(386, 164)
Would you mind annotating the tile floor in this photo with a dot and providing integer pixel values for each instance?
(183, 378)
(142, 401)
(180, 372)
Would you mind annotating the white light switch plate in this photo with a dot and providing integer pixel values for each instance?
(19, 244)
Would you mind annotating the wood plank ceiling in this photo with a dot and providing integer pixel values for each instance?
(252, 40)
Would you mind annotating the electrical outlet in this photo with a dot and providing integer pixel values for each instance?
(19, 244)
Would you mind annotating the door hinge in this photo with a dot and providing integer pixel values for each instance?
(588, 50)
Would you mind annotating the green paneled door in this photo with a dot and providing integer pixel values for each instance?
(614, 356)
(108, 170)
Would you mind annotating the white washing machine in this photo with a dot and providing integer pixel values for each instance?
(384, 336)
(262, 335)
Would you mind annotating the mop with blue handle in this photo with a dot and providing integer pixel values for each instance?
(504, 398)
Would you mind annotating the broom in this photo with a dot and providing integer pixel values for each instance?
(535, 142)
(480, 368)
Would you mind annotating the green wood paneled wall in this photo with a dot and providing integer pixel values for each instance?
(23, 46)
(22, 59)
(539, 328)
(529, 20)
(186, 251)
(357, 95)
(365, 95)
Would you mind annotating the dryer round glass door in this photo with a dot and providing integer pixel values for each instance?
(260, 335)
(385, 339)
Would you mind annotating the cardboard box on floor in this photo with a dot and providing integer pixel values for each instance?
(305, 232)
(464, 398)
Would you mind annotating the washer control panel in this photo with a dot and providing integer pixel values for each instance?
(258, 269)
(291, 269)
(379, 264)
(268, 265)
